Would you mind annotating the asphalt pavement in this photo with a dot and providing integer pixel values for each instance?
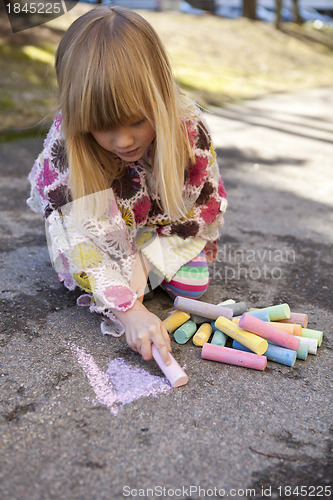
(84, 417)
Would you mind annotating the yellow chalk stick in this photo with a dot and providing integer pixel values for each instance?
(202, 335)
(175, 320)
(251, 340)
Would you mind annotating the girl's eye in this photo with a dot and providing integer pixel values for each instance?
(139, 122)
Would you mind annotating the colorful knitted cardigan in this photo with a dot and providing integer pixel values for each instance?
(98, 253)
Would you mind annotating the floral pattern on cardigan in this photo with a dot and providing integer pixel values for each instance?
(88, 256)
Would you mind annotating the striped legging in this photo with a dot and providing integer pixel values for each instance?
(191, 280)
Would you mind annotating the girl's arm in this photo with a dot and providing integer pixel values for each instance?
(94, 270)
(80, 254)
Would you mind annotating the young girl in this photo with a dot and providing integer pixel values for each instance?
(127, 181)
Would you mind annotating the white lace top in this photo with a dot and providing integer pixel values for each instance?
(96, 250)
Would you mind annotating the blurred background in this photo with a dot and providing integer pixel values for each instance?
(221, 51)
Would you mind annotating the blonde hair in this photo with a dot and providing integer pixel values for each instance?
(111, 66)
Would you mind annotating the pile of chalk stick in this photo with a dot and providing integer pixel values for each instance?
(271, 333)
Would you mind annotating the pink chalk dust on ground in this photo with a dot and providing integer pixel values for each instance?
(122, 383)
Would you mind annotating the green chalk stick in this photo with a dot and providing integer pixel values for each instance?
(302, 352)
(313, 334)
(219, 338)
(278, 312)
(185, 332)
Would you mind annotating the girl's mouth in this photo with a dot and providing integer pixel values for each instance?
(129, 154)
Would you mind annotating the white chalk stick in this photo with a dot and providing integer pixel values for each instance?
(311, 343)
(227, 302)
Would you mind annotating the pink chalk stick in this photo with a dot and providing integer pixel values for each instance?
(233, 356)
(174, 373)
(269, 332)
(298, 318)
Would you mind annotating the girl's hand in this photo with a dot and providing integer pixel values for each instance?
(142, 328)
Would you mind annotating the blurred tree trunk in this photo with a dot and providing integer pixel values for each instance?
(208, 5)
(249, 9)
(297, 16)
(278, 7)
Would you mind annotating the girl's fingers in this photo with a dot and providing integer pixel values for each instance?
(145, 349)
(141, 338)
(163, 348)
(164, 352)
(166, 337)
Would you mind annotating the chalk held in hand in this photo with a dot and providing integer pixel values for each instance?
(185, 332)
(175, 319)
(203, 334)
(269, 332)
(199, 308)
(233, 356)
(173, 372)
(250, 340)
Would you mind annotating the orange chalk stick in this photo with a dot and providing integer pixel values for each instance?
(291, 328)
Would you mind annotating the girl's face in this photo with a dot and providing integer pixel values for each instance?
(128, 142)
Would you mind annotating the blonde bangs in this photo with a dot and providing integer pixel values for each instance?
(103, 107)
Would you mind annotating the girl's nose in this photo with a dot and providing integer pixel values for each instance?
(123, 139)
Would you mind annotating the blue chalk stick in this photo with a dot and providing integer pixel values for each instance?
(263, 315)
(273, 353)
(301, 353)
